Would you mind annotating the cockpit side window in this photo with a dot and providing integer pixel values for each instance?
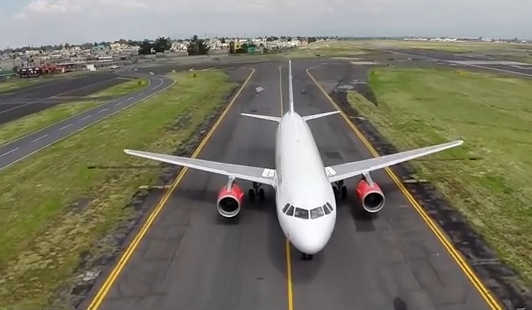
(316, 212)
(290, 211)
(286, 207)
(301, 213)
(326, 209)
(329, 206)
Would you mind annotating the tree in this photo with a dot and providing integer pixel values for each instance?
(197, 46)
(161, 44)
(145, 47)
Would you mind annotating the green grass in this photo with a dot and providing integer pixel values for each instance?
(30, 123)
(455, 47)
(121, 89)
(43, 233)
(419, 107)
(324, 49)
(14, 83)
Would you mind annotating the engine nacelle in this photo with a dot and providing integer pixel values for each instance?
(370, 195)
(230, 200)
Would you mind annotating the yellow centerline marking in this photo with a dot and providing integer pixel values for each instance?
(484, 292)
(290, 291)
(115, 272)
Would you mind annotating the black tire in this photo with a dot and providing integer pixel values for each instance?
(344, 192)
(336, 194)
(251, 195)
(261, 194)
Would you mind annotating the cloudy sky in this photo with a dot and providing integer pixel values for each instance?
(36, 22)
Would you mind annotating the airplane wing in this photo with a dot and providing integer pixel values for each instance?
(253, 174)
(348, 170)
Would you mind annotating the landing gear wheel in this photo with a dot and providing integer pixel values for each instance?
(305, 256)
(340, 191)
(256, 190)
(344, 192)
(251, 194)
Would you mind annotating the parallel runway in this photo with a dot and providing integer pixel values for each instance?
(32, 99)
(191, 259)
(456, 59)
(25, 146)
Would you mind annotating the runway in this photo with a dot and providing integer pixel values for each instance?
(496, 65)
(191, 259)
(16, 150)
(32, 99)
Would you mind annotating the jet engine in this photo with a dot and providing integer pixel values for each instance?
(230, 200)
(370, 195)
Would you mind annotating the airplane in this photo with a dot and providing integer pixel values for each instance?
(305, 190)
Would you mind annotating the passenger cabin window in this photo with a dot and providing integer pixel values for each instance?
(286, 207)
(327, 211)
(301, 213)
(329, 206)
(316, 212)
(290, 211)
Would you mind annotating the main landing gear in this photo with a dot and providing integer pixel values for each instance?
(256, 190)
(305, 256)
(340, 191)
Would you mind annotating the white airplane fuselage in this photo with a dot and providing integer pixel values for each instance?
(301, 181)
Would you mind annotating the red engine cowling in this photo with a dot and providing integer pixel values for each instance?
(230, 200)
(370, 196)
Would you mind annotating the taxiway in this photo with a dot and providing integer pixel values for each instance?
(190, 258)
(16, 150)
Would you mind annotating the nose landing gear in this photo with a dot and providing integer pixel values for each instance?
(305, 256)
(256, 190)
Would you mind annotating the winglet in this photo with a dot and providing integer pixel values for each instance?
(290, 87)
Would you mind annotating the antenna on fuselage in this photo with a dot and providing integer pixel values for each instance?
(290, 87)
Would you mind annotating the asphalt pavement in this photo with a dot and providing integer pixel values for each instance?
(191, 259)
(45, 94)
(482, 62)
(16, 150)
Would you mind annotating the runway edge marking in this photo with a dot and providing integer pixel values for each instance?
(289, 284)
(435, 228)
(117, 269)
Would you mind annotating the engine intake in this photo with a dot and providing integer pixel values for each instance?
(371, 196)
(230, 200)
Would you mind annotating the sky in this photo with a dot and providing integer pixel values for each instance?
(39, 22)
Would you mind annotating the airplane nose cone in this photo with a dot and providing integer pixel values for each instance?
(312, 247)
(312, 243)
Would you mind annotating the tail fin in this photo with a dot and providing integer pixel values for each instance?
(290, 87)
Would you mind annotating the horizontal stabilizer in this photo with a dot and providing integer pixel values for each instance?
(264, 117)
(315, 116)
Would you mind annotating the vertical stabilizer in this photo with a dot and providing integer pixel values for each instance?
(290, 87)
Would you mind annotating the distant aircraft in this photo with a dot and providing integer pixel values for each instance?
(305, 194)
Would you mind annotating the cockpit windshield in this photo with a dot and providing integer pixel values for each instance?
(316, 212)
(301, 213)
